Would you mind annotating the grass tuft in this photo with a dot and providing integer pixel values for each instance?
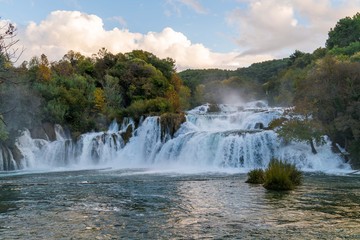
(256, 176)
(282, 176)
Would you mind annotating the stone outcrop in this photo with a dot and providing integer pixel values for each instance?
(46, 131)
(170, 123)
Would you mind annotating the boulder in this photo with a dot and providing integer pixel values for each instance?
(49, 130)
(38, 133)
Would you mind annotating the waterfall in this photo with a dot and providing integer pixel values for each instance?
(233, 138)
(7, 161)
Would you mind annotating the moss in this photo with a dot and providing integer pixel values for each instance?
(127, 134)
(170, 123)
(256, 176)
(282, 176)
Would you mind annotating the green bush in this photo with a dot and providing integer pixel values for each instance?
(256, 176)
(148, 107)
(282, 176)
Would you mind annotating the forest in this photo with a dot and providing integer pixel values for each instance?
(86, 93)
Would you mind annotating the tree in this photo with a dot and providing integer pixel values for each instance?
(297, 54)
(302, 130)
(346, 31)
(43, 71)
(329, 99)
(8, 41)
(7, 53)
(99, 99)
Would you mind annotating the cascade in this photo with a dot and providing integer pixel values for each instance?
(233, 138)
(7, 161)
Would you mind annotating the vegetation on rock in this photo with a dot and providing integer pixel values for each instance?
(170, 123)
(281, 176)
(256, 176)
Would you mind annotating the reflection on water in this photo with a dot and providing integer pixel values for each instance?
(138, 205)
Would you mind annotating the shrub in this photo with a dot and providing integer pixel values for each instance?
(154, 106)
(281, 176)
(256, 176)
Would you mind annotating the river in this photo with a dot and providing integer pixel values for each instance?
(187, 186)
(150, 204)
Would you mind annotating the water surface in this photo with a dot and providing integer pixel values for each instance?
(138, 204)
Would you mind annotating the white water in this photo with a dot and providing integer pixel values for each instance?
(229, 140)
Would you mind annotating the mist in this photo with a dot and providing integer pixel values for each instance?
(20, 108)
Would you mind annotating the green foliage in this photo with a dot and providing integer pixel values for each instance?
(300, 130)
(68, 100)
(346, 31)
(55, 111)
(349, 50)
(142, 107)
(331, 92)
(113, 93)
(282, 176)
(99, 99)
(256, 176)
(277, 122)
(78, 91)
(184, 98)
(287, 85)
(263, 71)
(143, 76)
(215, 85)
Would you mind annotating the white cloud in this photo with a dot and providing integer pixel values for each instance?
(279, 26)
(62, 31)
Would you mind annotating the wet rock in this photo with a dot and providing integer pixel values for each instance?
(17, 155)
(214, 108)
(127, 134)
(38, 133)
(46, 131)
(259, 125)
(170, 123)
(49, 130)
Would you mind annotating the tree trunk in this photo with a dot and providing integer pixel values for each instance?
(313, 150)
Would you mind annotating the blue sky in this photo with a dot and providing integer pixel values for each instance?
(196, 33)
(141, 16)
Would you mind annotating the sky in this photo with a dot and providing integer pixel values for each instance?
(225, 34)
